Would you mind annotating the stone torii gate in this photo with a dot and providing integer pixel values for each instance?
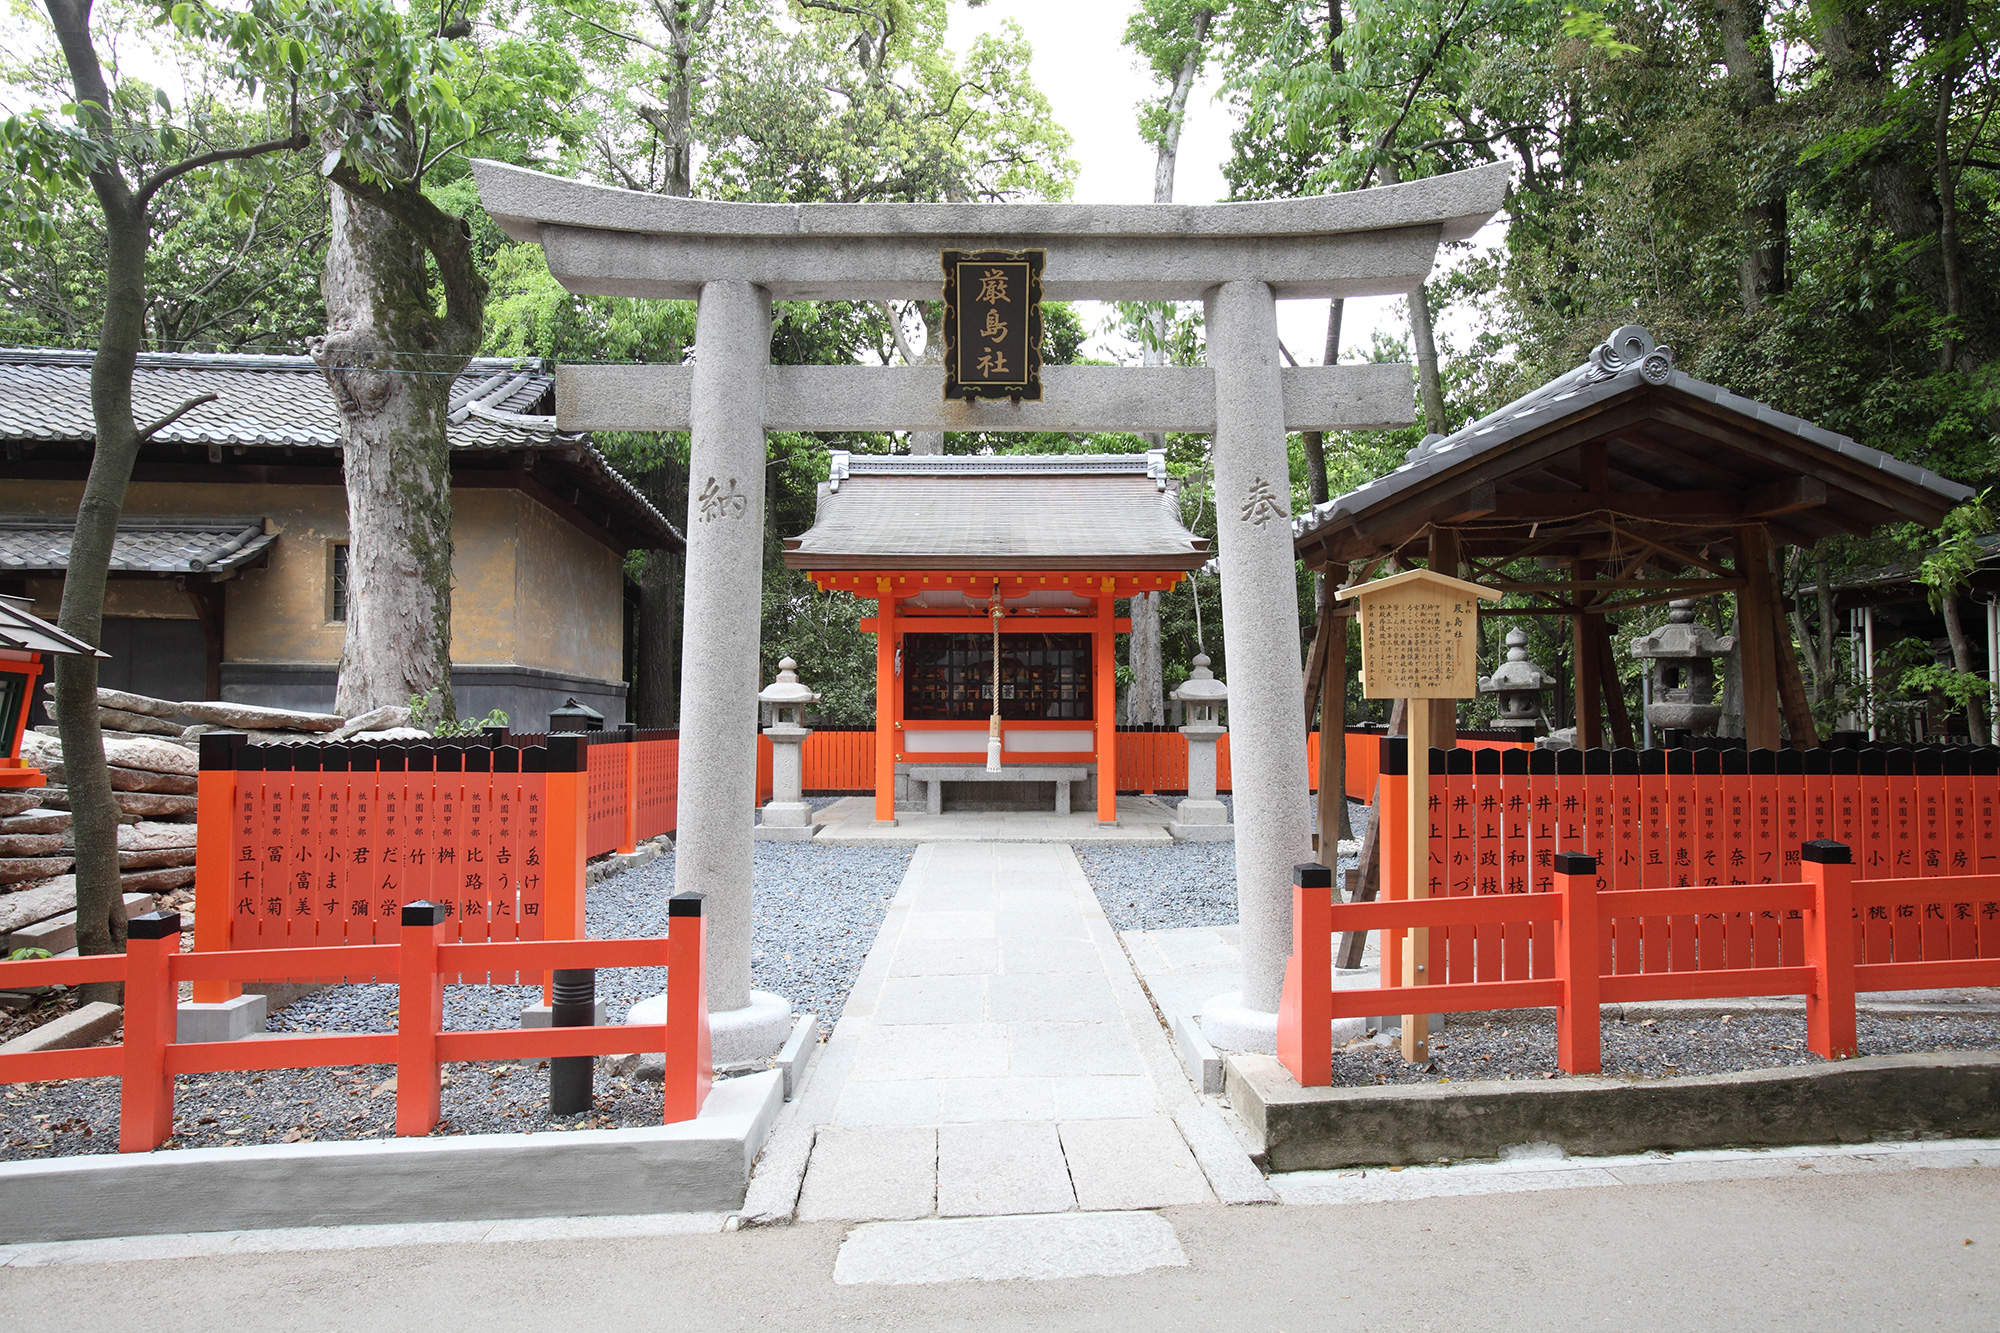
(733, 260)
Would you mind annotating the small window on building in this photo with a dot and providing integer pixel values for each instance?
(336, 583)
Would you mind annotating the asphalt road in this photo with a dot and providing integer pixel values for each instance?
(1905, 1249)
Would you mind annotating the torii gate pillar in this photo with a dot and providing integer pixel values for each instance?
(719, 640)
(1260, 615)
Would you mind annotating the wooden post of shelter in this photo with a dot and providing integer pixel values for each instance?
(1757, 648)
(1584, 646)
(1332, 803)
(1444, 559)
(1420, 642)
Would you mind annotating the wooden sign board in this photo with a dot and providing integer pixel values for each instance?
(993, 324)
(1419, 636)
(1419, 640)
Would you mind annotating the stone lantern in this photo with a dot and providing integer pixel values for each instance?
(1519, 684)
(1683, 654)
(1201, 817)
(787, 817)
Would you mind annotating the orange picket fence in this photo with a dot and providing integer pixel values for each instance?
(1588, 964)
(1656, 819)
(426, 956)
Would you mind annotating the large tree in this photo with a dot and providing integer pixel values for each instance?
(407, 95)
(97, 145)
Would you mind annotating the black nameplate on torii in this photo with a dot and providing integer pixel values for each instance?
(993, 324)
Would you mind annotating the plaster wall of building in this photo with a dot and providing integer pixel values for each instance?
(281, 646)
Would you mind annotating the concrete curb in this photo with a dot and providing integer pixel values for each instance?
(698, 1166)
(1783, 1006)
(1941, 1095)
(79, 1027)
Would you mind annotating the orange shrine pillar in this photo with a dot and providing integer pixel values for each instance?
(1104, 684)
(886, 688)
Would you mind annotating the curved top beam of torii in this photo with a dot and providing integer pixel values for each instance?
(611, 242)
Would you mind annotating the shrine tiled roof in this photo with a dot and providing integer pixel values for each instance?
(1700, 428)
(212, 546)
(1039, 511)
(499, 406)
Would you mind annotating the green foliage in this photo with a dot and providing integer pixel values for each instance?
(1948, 567)
(28, 955)
(428, 713)
(824, 106)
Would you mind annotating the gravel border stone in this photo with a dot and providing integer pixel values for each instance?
(1525, 1048)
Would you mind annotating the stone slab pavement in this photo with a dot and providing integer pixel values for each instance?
(997, 1056)
(1857, 1238)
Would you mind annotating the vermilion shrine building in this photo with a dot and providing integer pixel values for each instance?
(1055, 540)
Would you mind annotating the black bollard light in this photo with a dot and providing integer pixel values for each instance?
(571, 1077)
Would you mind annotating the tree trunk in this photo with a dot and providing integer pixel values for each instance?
(391, 361)
(1746, 54)
(1824, 684)
(1145, 700)
(1947, 190)
(1429, 385)
(673, 120)
(661, 575)
(1961, 661)
(1170, 142)
(100, 907)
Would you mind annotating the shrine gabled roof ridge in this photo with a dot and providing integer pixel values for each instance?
(521, 199)
(1630, 358)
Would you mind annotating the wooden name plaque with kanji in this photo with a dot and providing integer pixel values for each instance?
(1419, 636)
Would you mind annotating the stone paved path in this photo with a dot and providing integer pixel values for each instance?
(998, 1056)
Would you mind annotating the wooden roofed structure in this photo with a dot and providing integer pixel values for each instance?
(1629, 483)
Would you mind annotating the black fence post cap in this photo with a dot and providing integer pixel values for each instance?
(1826, 852)
(1312, 875)
(423, 912)
(1575, 863)
(684, 904)
(153, 926)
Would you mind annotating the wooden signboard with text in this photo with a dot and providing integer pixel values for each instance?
(1419, 640)
(993, 324)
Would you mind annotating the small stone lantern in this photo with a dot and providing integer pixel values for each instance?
(1519, 684)
(787, 817)
(1201, 817)
(1683, 654)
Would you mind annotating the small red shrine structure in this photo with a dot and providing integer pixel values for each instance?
(938, 541)
(24, 640)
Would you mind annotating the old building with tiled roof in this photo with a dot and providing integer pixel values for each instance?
(227, 578)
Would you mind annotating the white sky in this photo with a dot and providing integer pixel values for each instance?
(1095, 83)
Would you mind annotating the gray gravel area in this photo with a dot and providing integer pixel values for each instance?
(818, 910)
(1187, 884)
(1525, 1047)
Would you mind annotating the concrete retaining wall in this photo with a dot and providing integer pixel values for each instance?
(702, 1165)
(1942, 1095)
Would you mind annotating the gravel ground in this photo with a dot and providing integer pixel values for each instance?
(818, 912)
(1187, 884)
(1505, 1048)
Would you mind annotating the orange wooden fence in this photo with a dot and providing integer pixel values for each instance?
(1588, 964)
(426, 957)
(1658, 819)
